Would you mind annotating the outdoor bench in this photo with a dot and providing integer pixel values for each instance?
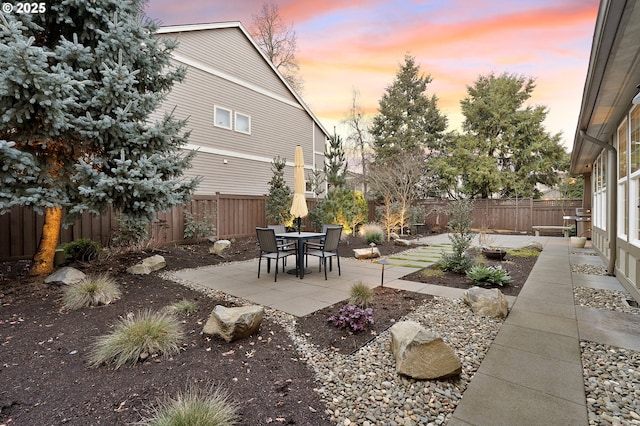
(565, 229)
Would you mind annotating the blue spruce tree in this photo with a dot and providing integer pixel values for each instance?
(78, 85)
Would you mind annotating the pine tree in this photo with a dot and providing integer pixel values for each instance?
(335, 166)
(79, 84)
(408, 121)
(280, 197)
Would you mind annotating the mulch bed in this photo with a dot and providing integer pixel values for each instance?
(44, 372)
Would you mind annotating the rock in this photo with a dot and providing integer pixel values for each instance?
(148, 265)
(401, 242)
(394, 236)
(366, 253)
(234, 323)
(220, 246)
(488, 302)
(421, 354)
(212, 239)
(66, 275)
(534, 245)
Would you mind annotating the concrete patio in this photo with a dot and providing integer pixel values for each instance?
(532, 374)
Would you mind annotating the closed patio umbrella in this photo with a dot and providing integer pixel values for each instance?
(299, 204)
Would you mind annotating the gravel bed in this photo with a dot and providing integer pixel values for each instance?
(580, 268)
(604, 299)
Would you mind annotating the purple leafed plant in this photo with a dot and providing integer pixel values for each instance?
(352, 317)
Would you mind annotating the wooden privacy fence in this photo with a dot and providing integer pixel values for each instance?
(238, 216)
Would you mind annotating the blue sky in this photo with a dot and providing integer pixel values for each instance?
(360, 44)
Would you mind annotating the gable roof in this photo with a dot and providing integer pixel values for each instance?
(175, 29)
(612, 77)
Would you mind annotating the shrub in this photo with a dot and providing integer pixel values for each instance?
(91, 291)
(432, 272)
(82, 250)
(131, 233)
(372, 233)
(523, 253)
(184, 306)
(361, 295)
(352, 317)
(138, 336)
(484, 275)
(459, 261)
(197, 229)
(208, 406)
(455, 262)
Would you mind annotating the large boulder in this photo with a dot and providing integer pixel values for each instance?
(401, 242)
(421, 354)
(489, 302)
(234, 323)
(220, 246)
(533, 245)
(148, 265)
(66, 275)
(366, 253)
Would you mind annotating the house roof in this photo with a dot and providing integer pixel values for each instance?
(174, 29)
(612, 79)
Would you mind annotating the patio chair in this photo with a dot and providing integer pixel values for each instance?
(327, 250)
(281, 229)
(317, 244)
(270, 248)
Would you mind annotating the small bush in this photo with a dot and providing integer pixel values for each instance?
(82, 250)
(459, 263)
(372, 233)
(138, 336)
(91, 291)
(352, 317)
(484, 275)
(208, 406)
(361, 295)
(432, 272)
(184, 306)
(131, 233)
(197, 229)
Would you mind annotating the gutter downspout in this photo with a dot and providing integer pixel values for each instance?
(612, 163)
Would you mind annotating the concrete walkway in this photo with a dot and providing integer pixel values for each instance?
(532, 374)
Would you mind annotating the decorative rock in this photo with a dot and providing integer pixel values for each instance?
(400, 242)
(366, 253)
(220, 246)
(421, 354)
(394, 236)
(534, 245)
(148, 265)
(234, 323)
(488, 302)
(66, 275)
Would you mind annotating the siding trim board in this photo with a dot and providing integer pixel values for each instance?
(235, 154)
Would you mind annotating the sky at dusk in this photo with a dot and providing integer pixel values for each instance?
(360, 44)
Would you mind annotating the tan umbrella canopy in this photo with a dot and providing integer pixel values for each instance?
(299, 204)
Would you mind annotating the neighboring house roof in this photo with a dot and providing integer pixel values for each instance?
(236, 24)
(612, 79)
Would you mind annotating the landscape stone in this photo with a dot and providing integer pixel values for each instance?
(488, 302)
(420, 354)
(534, 245)
(401, 242)
(394, 236)
(66, 275)
(234, 323)
(220, 246)
(366, 253)
(148, 265)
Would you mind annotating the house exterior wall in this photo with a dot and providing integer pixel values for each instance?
(225, 70)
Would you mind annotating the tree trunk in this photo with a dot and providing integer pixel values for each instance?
(43, 259)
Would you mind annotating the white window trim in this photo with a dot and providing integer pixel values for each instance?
(215, 117)
(248, 117)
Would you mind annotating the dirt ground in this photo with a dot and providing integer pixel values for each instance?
(45, 378)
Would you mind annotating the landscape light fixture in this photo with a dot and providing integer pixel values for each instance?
(636, 99)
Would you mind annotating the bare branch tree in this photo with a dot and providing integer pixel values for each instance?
(359, 136)
(278, 41)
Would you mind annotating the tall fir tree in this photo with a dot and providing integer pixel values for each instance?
(335, 166)
(408, 120)
(79, 84)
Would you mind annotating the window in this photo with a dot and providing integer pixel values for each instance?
(243, 123)
(600, 191)
(222, 117)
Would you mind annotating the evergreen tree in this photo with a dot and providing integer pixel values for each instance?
(505, 148)
(408, 121)
(335, 166)
(280, 197)
(78, 85)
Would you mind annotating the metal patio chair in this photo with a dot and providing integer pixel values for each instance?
(270, 248)
(327, 250)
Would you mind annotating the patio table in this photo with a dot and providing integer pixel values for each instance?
(300, 238)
